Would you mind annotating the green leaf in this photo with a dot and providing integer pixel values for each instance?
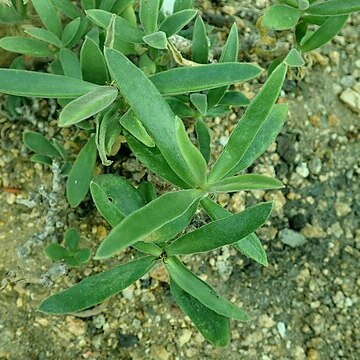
(152, 158)
(147, 189)
(148, 248)
(203, 77)
(148, 14)
(281, 17)
(39, 144)
(83, 255)
(87, 105)
(200, 44)
(294, 59)
(214, 210)
(245, 182)
(264, 138)
(157, 40)
(214, 327)
(48, 15)
(37, 84)
(324, 33)
(252, 248)
(67, 8)
(72, 239)
(21, 45)
(134, 126)
(222, 232)
(152, 110)
(41, 159)
(204, 138)
(229, 53)
(70, 63)
(114, 197)
(44, 35)
(123, 29)
(234, 98)
(201, 291)
(56, 252)
(334, 7)
(249, 126)
(175, 22)
(81, 173)
(143, 222)
(120, 6)
(180, 108)
(190, 153)
(88, 4)
(95, 289)
(70, 32)
(9, 15)
(303, 4)
(200, 102)
(93, 63)
(106, 4)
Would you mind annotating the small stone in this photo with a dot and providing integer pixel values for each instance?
(313, 354)
(315, 165)
(303, 170)
(297, 222)
(128, 293)
(75, 326)
(159, 273)
(347, 81)
(315, 120)
(352, 99)
(292, 238)
(299, 353)
(10, 198)
(281, 328)
(265, 321)
(339, 299)
(333, 120)
(315, 232)
(99, 321)
(185, 337)
(342, 209)
(159, 353)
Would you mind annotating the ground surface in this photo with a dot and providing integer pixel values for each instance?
(304, 305)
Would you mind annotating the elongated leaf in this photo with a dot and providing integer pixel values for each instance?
(93, 63)
(67, 8)
(234, 98)
(183, 5)
(9, 15)
(214, 327)
(41, 159)
(153, 159)
(246, 182)
(324, 33)
(281, 17)
(229, 53)
(201, 291)
(221, 232)
(204, 138)
(70, 63)
(87, 105)
(203, 77)
(70, 32)
(147, 189)
(156, 40)
(334, 7)
(21, 45)
(247, 129)
(81, 173)
(200, 102)
(175, 22)
(88, 4)
(48, 15)
(95, 289)
(36, 84)
(264, 138)
(106, 4)
(114, 197)
(44, 35)
(180, 108)
(152, 110)
(190, 153)
(148, 248)
(123, 29)
(134, 126)
(120, 6)
(143, 222)
(200, 44)
(251, 247)
(148, 14)
(39, 144)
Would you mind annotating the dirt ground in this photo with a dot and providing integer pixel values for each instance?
(304, 305)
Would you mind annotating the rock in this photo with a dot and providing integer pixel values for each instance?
(303, 170)
(75, 326)
(342, 209)
(347, 81)
(315, 165)
(185, 337)
(313, 354)
(281, 328)
(315, 232)
(292, 238)
(127, 340)
(159, 353)
(297, 222)
(351, 98)
(265, 321)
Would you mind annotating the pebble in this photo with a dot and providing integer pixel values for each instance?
(281, 328)
(347, 81)
(342, 209)
(351, 98)
(75, 326)
(292, 238)
(185, 337)
(315, 232)
(303, 170)
(265, 321)
(158, 352)
(313, 354)
(315, 165)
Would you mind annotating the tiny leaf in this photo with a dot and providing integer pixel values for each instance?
(281, 17)
(157, 40)
(39, 144)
